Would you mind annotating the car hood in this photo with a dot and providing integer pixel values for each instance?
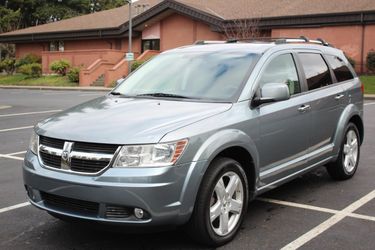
(117, 120)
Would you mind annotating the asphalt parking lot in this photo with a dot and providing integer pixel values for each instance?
(312, 211)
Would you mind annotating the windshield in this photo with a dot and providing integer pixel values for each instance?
(205, 75)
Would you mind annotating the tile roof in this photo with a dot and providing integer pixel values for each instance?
(221, 9)
(240, 9)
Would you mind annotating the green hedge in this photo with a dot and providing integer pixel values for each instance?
(60, 67)
(370, 61)
(8, 65)
(32, 70)
(73, 74)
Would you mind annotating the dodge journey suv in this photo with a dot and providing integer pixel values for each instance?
(196, 133)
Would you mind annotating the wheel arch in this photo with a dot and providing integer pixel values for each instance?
(230, 143)
(350, 114)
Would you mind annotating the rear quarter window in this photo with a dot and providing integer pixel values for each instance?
(316, 70)
(340, 69)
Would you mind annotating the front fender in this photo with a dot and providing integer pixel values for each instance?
(211, 147)
(350, 111)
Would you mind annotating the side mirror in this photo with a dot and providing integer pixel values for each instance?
(272, 92)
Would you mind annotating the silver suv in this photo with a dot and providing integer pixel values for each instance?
(196, 133)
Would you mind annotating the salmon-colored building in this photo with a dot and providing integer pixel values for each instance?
(98, 42)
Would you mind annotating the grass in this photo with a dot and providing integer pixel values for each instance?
(48, 80)
(369, 82)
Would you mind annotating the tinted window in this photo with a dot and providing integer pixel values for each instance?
(316, 70)
(340, 69)
(282, 69)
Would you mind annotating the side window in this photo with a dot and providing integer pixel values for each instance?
(340, 69)
(282, 69)
(316, 70)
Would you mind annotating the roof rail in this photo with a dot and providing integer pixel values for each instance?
(276, 40)
(284, 40)
(203, 42)
(302, 39)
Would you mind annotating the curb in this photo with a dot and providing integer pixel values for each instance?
(369, 97)
(55, 88)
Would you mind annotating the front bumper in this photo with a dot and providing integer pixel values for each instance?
(165, 194)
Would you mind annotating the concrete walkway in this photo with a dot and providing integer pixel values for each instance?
(55, 88)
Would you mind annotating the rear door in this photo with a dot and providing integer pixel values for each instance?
(326, 97)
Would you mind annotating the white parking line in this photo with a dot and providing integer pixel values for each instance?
(369, 103)
(5, 107)
(17, 153)
(92, 94)
(302, 240)
(12, 129)
(315, 208)
(11, 157)
(298, 205)
(5, 209)
(31, 113)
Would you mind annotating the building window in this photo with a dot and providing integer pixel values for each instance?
(150, 44)
(56, 46)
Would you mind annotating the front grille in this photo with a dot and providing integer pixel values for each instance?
(80, 157)
(95, 148)
(51, 142)
(70, 204)
(87, 166)
(117, 212)
(51, 160)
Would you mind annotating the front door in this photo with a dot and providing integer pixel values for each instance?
(285, 125)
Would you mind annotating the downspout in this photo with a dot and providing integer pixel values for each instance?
(362, 43)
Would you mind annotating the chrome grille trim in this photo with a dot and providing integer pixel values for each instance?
(69, 149)
(91, 156)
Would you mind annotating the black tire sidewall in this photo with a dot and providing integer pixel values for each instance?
(217, 170)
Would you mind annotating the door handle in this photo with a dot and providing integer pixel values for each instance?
(304, 108)
(338, 97)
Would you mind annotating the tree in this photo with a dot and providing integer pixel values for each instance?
(9, 19)
(241, 29)
(35, 12)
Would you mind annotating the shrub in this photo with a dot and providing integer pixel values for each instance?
(370, 61)
(8, 65)
(28, 59)
(351, 61)
(136, 64)
(73, 74)
(32, 70)
(60, 67)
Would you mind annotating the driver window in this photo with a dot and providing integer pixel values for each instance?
(282, 69)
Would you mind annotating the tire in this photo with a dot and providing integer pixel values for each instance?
(347, 161)
(230, 206)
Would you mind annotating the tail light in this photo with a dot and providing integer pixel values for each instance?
(362, 88)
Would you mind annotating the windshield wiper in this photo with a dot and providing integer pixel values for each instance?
(115, 93)
(165, 95)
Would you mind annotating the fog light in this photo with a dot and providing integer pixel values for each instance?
(138, 212)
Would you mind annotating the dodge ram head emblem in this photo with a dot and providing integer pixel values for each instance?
(65, 155)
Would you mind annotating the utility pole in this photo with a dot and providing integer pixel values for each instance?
(129, 59)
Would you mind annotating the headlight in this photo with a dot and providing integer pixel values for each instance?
(153, 155)
(33, 146)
